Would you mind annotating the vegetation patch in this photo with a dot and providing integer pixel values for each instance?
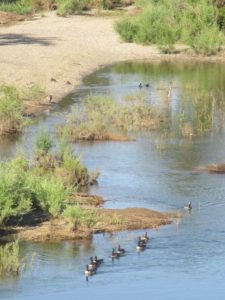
(198, 24)
(11, 119)
(19, 7)
(43, 185)
(101, 118)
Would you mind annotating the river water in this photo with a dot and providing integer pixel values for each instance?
(184, 260)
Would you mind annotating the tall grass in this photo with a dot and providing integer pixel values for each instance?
(9, 259)
(11, 118)
(165, 23)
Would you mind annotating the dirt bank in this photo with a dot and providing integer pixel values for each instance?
(110, 220)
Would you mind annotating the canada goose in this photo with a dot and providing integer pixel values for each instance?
(140, 246)
(189, 206)
(98, 261)
(92, 265)
(115, 254)
(120, 250)
(140, 85)
(88, 271)
(145, 237)
(147, 84)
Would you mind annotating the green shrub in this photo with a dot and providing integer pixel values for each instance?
(221, 18)
(127, 29)
(208, 41)
(196, 23)
(11, 118)
(15, 196)
(18, 6)
(50, 193)
(69, 7)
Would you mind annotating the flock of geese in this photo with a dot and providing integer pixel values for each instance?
(94, 263)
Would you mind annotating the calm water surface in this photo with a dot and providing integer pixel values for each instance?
(185, 260)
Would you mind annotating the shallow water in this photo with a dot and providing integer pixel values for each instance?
(185, 260)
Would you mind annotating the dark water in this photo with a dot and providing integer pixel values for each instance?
(185, 260)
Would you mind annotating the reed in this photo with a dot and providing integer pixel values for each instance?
(9, 259)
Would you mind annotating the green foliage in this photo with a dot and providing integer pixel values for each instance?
(221, 18)
(19, 6)
(10, 110)
(15, 197)
(207, 42)
(68, 7)
(166, 22)
(50, 193)
(127, 29)
(44, 143)
(80, 217)
(9, 259)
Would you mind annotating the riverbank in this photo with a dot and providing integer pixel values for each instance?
(56, 53)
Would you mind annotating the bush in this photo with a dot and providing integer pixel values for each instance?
(127, 29)
(50, 193)
(166, 22)
(69, 7)
(19, 6)
(207, 42)
(15, 196)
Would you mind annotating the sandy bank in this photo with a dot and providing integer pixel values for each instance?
(65, 49)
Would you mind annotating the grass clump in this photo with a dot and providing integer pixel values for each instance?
(164, 23)
(11, 119)
(9, 259)
(44, 143)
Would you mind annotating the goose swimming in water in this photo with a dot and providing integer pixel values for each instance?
(88, 271)
(120, 250)
(115, 254)
(189, 206)
(144, 237)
